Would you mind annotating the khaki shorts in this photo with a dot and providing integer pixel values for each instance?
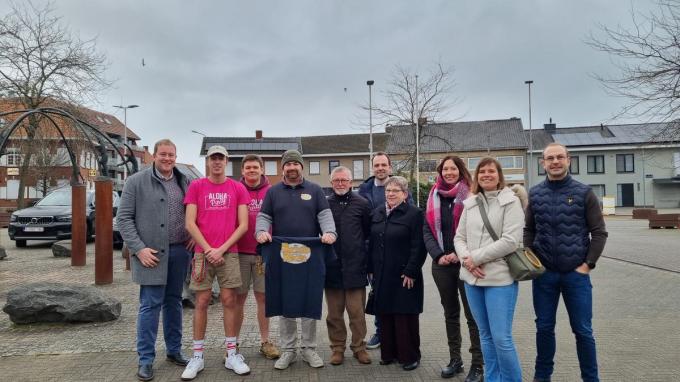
(228, 274)
(252, 270)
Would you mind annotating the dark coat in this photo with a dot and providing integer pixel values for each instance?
(396, 248)
(352, 218)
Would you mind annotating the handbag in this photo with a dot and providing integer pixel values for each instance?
(523, 262)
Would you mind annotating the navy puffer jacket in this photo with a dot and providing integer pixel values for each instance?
(562, 236)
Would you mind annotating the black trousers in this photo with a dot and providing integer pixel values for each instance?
(400, 337)
(450, 286)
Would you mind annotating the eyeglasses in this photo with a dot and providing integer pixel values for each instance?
(558, 158)
(393, 190)
(338, 181)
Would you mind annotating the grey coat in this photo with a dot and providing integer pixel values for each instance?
(143, 222)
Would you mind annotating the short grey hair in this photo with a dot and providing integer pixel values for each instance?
(341, 169)
(399, 181)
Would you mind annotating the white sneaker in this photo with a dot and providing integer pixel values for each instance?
(312, 358)
(194, 367)
(237, 364)
(286, 358)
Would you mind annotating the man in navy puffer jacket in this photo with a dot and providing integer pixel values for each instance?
(565, 228)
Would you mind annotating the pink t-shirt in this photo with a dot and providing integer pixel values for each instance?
(247, 244)
(217, 209)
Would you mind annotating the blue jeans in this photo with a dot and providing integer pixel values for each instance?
(168, 297)
(493, 308)
(577, 292)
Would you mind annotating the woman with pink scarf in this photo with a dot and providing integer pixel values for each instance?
(444, 208)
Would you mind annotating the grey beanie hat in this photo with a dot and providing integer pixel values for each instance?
(291, 156)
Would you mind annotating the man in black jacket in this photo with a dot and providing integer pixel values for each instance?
(346, 277)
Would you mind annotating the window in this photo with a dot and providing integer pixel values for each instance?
(399, 165)
(541, 169)
(13, 157)
(511, 162)
(472, 163)
(332, 164)
(358, 169)
(270, 167)
(314, 168)
(599, 191)
(625, 163)
(230, 168)
(427, 165)
(573, 167)
(595, 164)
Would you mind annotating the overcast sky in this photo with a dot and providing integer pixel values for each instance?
(228, 68)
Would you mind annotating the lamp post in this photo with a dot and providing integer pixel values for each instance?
(370, 122)
(416, 115)
(531, 141)
(198, 132)
(125, 132)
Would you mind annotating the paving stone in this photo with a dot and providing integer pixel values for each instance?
(636, 310)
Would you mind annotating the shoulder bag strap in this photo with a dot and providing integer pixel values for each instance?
(482, 211)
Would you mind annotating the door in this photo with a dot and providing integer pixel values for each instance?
(625, 196)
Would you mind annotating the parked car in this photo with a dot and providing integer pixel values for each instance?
(50, 218)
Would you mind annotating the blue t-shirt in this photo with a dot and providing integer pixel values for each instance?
(295, 270)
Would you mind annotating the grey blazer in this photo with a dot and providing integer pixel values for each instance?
(143, 222)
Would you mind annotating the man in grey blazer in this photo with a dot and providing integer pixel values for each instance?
(151, 221)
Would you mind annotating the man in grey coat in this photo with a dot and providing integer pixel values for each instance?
(151, 221)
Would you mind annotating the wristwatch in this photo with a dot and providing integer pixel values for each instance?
(590, 265)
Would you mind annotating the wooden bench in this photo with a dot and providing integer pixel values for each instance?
(664, 221)
(643, 213)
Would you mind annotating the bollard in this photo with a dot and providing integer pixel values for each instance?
(103, 252)
(78, 226)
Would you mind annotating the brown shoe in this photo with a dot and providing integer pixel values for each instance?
(337, 358)
(363, 357)
(269, 350)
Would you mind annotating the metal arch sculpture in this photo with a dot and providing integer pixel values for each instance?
(89, 131)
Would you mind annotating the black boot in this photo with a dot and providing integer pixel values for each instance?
(476, 374)
(454, 367)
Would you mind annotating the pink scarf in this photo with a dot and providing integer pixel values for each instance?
(433, 212)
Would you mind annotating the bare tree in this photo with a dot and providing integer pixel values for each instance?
(647, 56)
(411, 99)
(41, 59)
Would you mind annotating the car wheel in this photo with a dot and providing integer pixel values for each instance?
(90, 235)
(20, 243)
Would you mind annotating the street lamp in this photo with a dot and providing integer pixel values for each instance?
(531, 141)
(370, 122)
(125, 133)
(198, 132)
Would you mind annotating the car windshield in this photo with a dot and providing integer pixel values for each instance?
(62, 198)
(57, 198)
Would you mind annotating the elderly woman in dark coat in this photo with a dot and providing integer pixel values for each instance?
(397, 254)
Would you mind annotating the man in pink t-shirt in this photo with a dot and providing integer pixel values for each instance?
(216, 218)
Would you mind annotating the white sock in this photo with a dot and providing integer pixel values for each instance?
(231, 345)
(198, 348)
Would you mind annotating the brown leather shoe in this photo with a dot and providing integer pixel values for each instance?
(363, 357)
(337, 358)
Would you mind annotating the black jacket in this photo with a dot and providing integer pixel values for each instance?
(431, 243)
(396, 248)
(352, 223)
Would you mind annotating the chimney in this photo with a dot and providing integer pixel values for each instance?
(258, 134)
(550, 127)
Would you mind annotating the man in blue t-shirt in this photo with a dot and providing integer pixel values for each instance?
(295, 208)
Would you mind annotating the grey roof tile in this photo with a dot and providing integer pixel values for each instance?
(460, 136)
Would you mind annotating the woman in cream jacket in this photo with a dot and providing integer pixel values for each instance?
(491, 291)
